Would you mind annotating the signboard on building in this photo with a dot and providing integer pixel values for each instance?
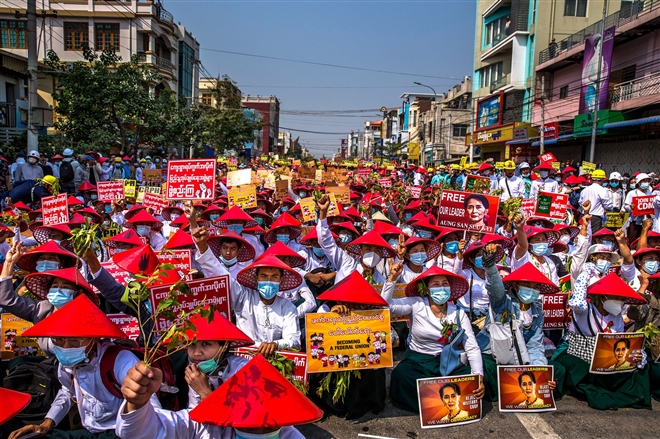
(594, 84)
(583, 123)
(489, 111)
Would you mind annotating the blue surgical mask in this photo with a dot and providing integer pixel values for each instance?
(614, 183)
(284, 239)
(69, 357)
(143, 230)
(345, 238)
(651, 267)
(238, 228)
(284, 208)
(318, 252)
(214, 216)
(407, 216)
(259, 220)
(268, 289)
(440, 295)
(644, 186)
(174, 216)
(208, 366)
(528, 294)
(607, 243)
(540, 248)
(632, 185)
(479, 262)
(303, 194)
(228, 262)
(47, 266)
(452, 247)
(544, 174)
(393, 242)
(93, 196)
(243, 435)
(60, 296)
(423, 234)
(108, 209)
(602, 265)
(418, 258)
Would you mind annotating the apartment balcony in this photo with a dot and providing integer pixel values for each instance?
(636, 93)
(516, 42)
(151, 58)
(500, 83)
(163, 15)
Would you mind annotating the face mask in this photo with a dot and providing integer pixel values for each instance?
(605, 184)
(57, 241)
(544, 174)
(284, 239)
(614, 184)
(143, 165)
(208, 366)
(644, 186)
(423, 234)
(478, 262)
(143, 230)
(527, 294)
(174, 216)
(69, 357)
(407, 216)
(268, 289)
(59, 296)
(214, 216)
(118, 166)
(93, 197)
(602, 265)
(565, 239)
(345, 238)
(525, 174)
(558, 179)
(228, 262)
(608, 244)
(108, 209)
(32, 160)
(486, 173)
(47, 266)
(393, 242)
(244, 435)
(259, 220)
(285, 208)
(452, 247)
(632, 185)
(651, 267)
(613, 307)
(370, 259)
(540, 248)
(237, 228)
(318, 252)
(418, 258)
(303, 194)
(440, 295)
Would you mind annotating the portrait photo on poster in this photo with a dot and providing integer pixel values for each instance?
(468, 211)
(448, 401)
(615, 353)
(525, 388)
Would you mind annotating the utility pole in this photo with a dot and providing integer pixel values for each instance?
(449, 136)
(473, 122)
(594, 125)
(542, 134)
(435, 122)
(33, 98)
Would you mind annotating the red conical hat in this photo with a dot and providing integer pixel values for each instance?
(571, 179)
(284, 221)
(613, 285)
(139, 260)
(34, 224)
(246, 251)
(384, 228)
(209, 210)
(22, 206)
(285, 254)
(268, 219)
(78, 318)
(73, 201)
(353, 289)
(235, 214)
(370, 238)
(220, 329)
(529, 273)
(551, 235)
(90, 213)
(34, 214)
(485, 166)
(500, 240)
(133, 211)
(256, 230)
(545, 166)
(427, 223)
(28, 261)
(13, 403)
(312, 236)
(76, 220)
(86, 186)
(166, 212)
(6, 229)
(336, 228)
(419, 216)
(569, 169)
(573, 230)
(180, 240)
(127, 237)
(547, 224)
(458, 284)
(413, 205)
(447, 231)
(248, 276)
(266, 400)
(432, 247)
(353, 213)
(42, 233)
(39, 283)
(143, 217)
(183, 222)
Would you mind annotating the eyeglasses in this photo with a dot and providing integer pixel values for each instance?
(73, 342)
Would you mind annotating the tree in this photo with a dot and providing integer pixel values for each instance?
(228, 124)
(101, 101)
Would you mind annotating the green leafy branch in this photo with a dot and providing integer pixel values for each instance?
(337, 383)
(651, 334)
(84, 237)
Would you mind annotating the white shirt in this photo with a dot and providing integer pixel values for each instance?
(547, 267)
(543, 185)
(627, 205)
(512, 187)
(599, 197)
(480, 299)
(446, 263)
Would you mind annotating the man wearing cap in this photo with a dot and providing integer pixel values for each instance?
(511, 185)
(545, 183)
(526, 175)
(30, 170)
(29, 191)
(615, 192)
(69, 172)
(634, 224)
(599, 198)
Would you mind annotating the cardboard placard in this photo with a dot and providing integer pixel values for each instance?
(551, 205)
(153, 176)
(528, 207)
(441, 405)
(615, 220)
(548, 157)
(269, 182)
(244, 197)
(385, 182)
(318, 175)
(588, 167)
(130, 188)
(14, 345)
(192, 179)
(642, 205)
(109, 191)
(180, 258)
(281, 189)
(475, 182)
(298, 358)
(155, 202)
(364, 172)
(471, 212)
(308, 209)
(525, 388)
(212, 290)
(140, 194)
(128, 324)
(554, 311)
(357, 341)
(499, 165)
(55, 210)
(341, 193)
(415, 191)
(614, 352)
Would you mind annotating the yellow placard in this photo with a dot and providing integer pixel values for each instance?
(308, 209)
(555, 166)
(281, 189)
(356, 341)
(154, 190)
(238, 178)
(341, 193)
(269, 182)
(615, 220)
(413, 150)
(14, 345)
(129, 188)
(588, 167)
(140, 194)
(311, 164)
(463, 161)
(318, 176)
(499, 165)
(245, 197)
(152, 175)
(333, 209)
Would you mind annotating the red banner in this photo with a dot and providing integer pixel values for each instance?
(465, 211)
(415, 191)
(109, 191)
(554, 312)
(180, 258)
(155, 202)
(214, 290)
(129, 325)
(528, 207)
(550, 131)
(191, 179)
(298, 358)
(548, 157)
(642, 205)
(385, 182)
(551, 205)
(55, 210)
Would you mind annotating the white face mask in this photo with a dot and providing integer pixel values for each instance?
(370, 259)
(613, 306)
(565, 239)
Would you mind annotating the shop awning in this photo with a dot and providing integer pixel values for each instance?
(632, 122)
(520, 141)
(553, 141)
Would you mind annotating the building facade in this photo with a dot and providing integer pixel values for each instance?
(269, 109)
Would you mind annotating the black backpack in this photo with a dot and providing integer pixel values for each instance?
(40, 381)
(66, 171)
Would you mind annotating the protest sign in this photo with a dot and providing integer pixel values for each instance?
(308, 209)
(269, 182)
(318, 175)
(342, 194)
(238, 178)
(642, 205)
(548, 157)
(385, 182)
(209, 291)
(399, 293)
(554, 311)
(130, 188)
(153, 176)
(153, 189)
(551, 205)
(448, 401)
(155, 202)
(565, 284)
(615, 220)
(364, 172)
(113, 229)
(14, 345)
(477, 184)
(109, 191)
(244, 197)
(525, 388)
(128, 324)
(299, 360)
(499, 165)
(180, 258)
(615, 353)
(588, 167)
(140, 194)
(357, 341)
(55, 210)
(556, 166)
(191, 179)
(281, 189)
(415, 191)
(120, 275)
(333, 209)
(465, 211)
(528, 207)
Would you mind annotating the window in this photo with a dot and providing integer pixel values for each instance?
(628, 73)
(107, 37)
(13, 34)
(563, 92)
(575, 8)
(495, 31)
(491, 74)
(186, 60)
(75, 36)
(459, 129)
(207, 99)
(414, 124)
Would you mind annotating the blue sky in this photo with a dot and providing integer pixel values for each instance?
(427, 38)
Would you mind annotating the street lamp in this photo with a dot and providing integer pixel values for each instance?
(435, 125)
